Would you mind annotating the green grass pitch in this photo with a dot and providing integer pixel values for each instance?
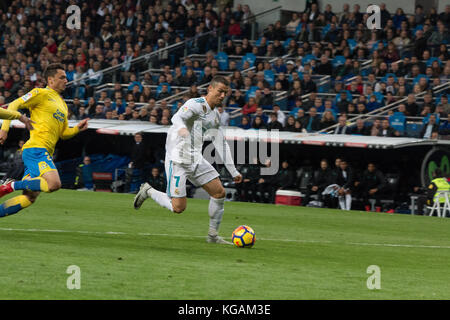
(300, 253)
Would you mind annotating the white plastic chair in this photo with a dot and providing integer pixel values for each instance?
(441, 211)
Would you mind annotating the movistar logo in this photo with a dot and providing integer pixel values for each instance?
(444, 166)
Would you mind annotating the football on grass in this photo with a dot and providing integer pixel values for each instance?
(243, 236)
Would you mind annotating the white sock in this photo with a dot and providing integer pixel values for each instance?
(160, 198)
(215, 211)
(341, 202)
(348, 201)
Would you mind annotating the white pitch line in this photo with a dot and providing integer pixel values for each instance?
(263, 239)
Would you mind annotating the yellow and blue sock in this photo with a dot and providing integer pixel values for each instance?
(14, 205)
(35, 184)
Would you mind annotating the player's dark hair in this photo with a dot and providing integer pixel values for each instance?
(52, 69)
(219, 79)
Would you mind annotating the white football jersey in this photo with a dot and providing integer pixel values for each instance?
(197, 117)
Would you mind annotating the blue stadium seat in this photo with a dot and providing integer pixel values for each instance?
(250, 57)
(269, 76)
(413, 130)
(349, 96)
(159, 88)
(379, 96)
(286, 42)
(352, 44)
(430, 61)
(418, 27)
(384, 79)
(438, 98)
(337, 61)
(251, 92)
(299, 28)
(325, 30)
(222, 59)
(427, 118)
(308, 58)
(417, 78)
(398, 121)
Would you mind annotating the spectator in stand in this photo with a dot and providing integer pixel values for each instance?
(266, 100)
(99, 114)
(312, 121)
(224, 117)
(325, 67)
(412, 109)
(342, 127)
(360, 128)
(245, 123)
(156, 180)
(386, 130)
(250, 107)
(308, 84)
(290, 124)
(274, 124)
(327, 120)
(258, 123)
(376, 127)
(429, 128)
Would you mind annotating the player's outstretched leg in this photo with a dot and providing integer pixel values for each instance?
(215, 210)
(14, 205)
(35, 184)
(147, 191)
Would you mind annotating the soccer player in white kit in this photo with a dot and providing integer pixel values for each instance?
(184, 158)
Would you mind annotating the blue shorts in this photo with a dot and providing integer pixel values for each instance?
(37, 161)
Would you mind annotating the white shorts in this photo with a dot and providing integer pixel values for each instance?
(177, 173)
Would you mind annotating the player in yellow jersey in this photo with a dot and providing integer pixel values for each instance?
(49, 116)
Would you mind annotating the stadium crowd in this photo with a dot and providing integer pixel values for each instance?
(368, 69)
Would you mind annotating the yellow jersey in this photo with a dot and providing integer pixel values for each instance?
(9, 114)
(49, 112)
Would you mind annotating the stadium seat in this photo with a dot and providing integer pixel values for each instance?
(430, 61)
(413, 130)
(379, 96)
(349, 96)
(325, 30)
(269, 76)
(299, 28)
(222, 59)
(286, 42)
(398, 121)
(352, 44)
(337, 61)
(417, 78)
(384, 79)
(251, 92)
(418, 27)
(308, 58)
(250, 57)
(438, 98)
(427, 118)
(159, 88)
